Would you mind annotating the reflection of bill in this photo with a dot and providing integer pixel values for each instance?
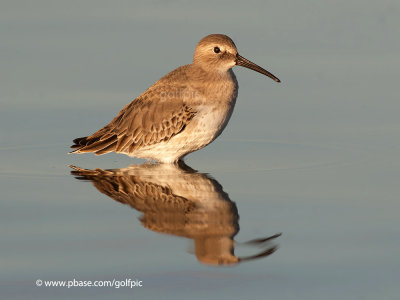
(180, 201)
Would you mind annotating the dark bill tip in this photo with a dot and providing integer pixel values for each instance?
(241, 61)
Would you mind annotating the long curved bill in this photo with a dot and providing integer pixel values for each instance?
(241, 61)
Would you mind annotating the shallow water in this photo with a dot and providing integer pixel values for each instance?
(315, 158)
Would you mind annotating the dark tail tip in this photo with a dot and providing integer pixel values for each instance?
(79, 142)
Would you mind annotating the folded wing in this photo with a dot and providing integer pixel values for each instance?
(139, 124)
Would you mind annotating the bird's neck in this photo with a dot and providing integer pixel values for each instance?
(206, 71)
(210, 76)
(215, 87)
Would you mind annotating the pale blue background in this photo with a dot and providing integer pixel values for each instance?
(315, 157)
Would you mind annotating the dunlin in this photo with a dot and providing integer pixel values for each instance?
(182, 112)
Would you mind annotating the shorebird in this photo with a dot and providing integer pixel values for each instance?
(175, 199)
(182, 112)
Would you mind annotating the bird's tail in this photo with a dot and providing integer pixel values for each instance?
(99, 143)
(79, 143)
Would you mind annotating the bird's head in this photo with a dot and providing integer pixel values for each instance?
(217, 52)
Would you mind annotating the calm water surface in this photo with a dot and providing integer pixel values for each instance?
(315, 158)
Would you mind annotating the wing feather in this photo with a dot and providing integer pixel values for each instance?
(145, 121)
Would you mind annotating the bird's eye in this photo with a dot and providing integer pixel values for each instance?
(217, 50)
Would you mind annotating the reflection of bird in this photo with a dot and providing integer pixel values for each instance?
(179, 201)
(182, 112)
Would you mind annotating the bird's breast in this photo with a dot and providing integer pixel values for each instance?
(214, 109)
